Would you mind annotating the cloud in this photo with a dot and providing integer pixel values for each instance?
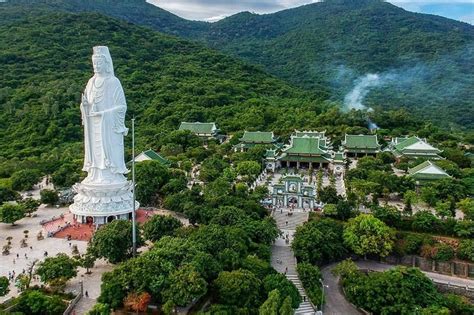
(214, 10)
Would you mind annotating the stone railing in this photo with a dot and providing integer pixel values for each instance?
(451, 268)
(72, 304)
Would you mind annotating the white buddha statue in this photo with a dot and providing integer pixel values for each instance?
(103, 110)
(105, 194)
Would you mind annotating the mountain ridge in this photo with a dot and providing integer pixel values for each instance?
(330, 46)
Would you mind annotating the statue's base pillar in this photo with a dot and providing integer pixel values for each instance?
(98, 203)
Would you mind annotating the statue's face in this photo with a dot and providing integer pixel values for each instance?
(99, 64)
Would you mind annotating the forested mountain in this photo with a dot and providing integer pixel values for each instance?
(424, 62)
(134, 11)
(421, 62)
(45, 62)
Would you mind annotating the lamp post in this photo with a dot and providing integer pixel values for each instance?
(322, 294)
(134, 232)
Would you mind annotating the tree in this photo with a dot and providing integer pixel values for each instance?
(67, 175)
(344, 209)
(99, 309)
(330, 210)
(443, 209)
(87, 261)
(400, 290)
(271, 305)
(238, 288)
(284, 286)
(25, 179)
(310, 277)
(7, 194)
(150, 177)
(319, 242)
(10, 213)
(286, 308)
(30, 205)
(137, 302)
(409, 197)
(4, 283)
(425, 221)
(249, 168)
(467, 207)
(160, 226)
(389, 215)
(186, 285)
(428, 195)
(113, 241)
(56, 271)
(49, 197)
(38, 303)
(366, 234)
(329, 195)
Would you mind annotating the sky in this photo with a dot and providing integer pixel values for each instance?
(214, 10)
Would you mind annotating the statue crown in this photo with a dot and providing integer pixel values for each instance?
(101, 51)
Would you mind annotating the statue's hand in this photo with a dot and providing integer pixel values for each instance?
(93, 114)
(85, 102)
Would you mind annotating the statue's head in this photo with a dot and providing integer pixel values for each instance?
(102, 61)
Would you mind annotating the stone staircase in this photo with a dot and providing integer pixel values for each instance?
(305, 306)
(283, 259)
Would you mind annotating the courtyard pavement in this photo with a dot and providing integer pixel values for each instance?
(20, 258)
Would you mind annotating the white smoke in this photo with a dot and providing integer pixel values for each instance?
(355, 98)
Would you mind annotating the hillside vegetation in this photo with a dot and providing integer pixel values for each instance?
(45, 64)
(424, 62)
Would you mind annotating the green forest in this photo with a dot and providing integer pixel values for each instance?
(425, 61)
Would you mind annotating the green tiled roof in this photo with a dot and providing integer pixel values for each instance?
(304, 145)
(361, 142)
(427, 171)
(421, 147)
(258, 137)
(156, 157)
(198, 127)
(401, 144)
(339, 156)
(270, 153)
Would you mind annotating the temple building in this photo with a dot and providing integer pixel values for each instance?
(252, 138)
(306, 150)
(413, 148)
(291, 191)
(150, 155)
(205, 131)
(360, 145)
(427, 172)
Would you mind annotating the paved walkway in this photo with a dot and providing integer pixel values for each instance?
(335, 301)
(283, 258)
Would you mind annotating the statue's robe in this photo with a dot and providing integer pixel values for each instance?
(103, 133)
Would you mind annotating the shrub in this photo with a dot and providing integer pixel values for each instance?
(465, 228)
(443, 252)
(49, 197)
(425, 221)
(466, 250)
